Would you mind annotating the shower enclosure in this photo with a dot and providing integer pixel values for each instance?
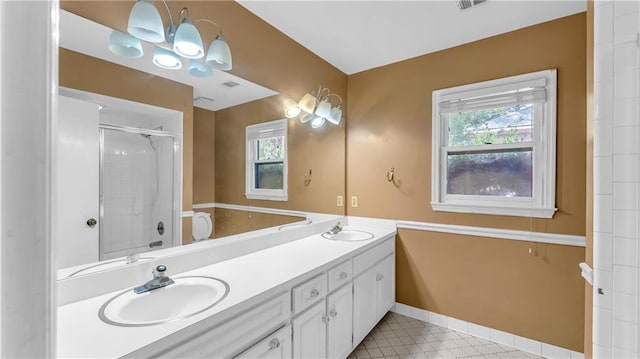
(137, 190)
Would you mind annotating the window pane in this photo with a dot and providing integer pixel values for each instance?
(502, 174)
(269, 175)
(270, 148)
(509, 124)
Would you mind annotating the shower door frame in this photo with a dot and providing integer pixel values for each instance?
(177, 180)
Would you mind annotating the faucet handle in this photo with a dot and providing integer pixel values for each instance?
(158, 272)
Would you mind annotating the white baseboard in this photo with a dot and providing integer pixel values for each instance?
(494, 335)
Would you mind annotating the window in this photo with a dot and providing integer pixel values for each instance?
(494, 147)
(266, 171)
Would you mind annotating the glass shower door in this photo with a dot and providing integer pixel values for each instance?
(136, 191)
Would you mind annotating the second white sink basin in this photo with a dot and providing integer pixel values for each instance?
(188, 296)
(349, 235)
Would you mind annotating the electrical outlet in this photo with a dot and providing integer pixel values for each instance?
(354, 201)
(339, 201)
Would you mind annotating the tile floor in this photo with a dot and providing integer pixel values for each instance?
(397, 336)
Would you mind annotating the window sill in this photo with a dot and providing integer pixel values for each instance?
(266, 197)
(495, 210)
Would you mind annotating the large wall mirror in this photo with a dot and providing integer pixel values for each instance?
(149, 155)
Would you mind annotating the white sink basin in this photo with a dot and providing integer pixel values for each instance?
(349, 235)
(188, 296)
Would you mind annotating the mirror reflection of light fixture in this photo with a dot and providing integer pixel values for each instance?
(317, 122)
(181, 40)
(166, 59)
(125, 45)
(199, 69)
(316, 107)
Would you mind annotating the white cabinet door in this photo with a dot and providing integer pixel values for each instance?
(364, 304)
(385, 289)
(340, 328)
(77, 182)
(310, 333)
(275, 346)
(373, 296)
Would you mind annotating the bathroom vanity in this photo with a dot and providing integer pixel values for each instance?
(309, 297)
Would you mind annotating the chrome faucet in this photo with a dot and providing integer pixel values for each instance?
(132, 258)
(335, 230)
(159, 280)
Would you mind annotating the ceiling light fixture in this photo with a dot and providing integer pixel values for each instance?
(315, 107)
(182, 40)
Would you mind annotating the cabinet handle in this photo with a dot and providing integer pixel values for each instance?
(379, 277)
(274, 344)
(333, 313)
(343, 275)
(315, 293)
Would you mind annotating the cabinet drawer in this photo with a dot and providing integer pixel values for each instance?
(309, 292)
(275, 346)
(339, 275)
(231, 337)
(369, 258)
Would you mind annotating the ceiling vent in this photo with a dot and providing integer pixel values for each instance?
(230, 84)
(468, 4)
(203, 102)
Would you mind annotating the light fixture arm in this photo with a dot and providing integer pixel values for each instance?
(213, 22)
(168, 12)
(320, 97)
(338, 96)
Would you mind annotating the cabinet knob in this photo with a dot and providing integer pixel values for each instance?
(379, 277)
(91, 222)
(274, 344)
(325, 319)
(343, 275)
(315, 293)
(333, 313)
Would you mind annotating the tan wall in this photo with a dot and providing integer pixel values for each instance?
(82, 72)
(321, 150)
(204, 161)
(495, 283)
(486, 281)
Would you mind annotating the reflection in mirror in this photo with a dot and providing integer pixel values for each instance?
(210, 117)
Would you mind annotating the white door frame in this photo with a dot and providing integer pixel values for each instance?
(28, 114)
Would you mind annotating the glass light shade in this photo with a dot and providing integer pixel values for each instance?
(219, 54)
(317, 122)
(336, 115)
(324, 108)
(306, 117)
(166, 59)
(308, 103)
(187, 42)
(199, 69)
(125, 45)
(145, 22)
(292, 111)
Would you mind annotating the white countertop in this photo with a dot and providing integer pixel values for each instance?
(82, 334)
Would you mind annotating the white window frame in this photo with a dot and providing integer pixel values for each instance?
(253, 134)
(542, 202)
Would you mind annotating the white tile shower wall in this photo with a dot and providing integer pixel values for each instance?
(616, 178)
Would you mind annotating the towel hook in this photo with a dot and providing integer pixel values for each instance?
(390, 174)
